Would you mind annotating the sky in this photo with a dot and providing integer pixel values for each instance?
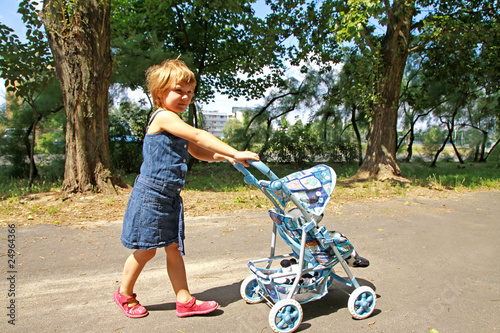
(10, 17)
(223, 104)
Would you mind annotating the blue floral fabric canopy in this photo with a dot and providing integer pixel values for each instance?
(313, 187)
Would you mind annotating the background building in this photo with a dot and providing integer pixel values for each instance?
(215, 122)
(239, 112)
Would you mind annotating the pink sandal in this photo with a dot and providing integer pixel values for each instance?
(136, 311)
(191, 308)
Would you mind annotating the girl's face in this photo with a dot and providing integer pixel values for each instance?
(178, 98)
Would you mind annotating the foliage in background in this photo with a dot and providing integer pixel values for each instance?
(125, 147)
(432, 139)
(303, 144)
(246, 134)
(458, 58)
(231, 50)
(18, 144)
(28, 70)
(13, 152)
(384, 34)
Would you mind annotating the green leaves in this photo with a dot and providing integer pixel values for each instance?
(223, 42)
(353, 17)
(26, 65)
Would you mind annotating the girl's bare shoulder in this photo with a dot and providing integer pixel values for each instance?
(171, 122)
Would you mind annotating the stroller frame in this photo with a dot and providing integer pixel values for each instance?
(285, 298)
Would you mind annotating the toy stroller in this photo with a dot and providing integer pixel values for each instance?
(316, 249)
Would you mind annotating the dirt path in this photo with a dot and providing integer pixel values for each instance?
(433, 266)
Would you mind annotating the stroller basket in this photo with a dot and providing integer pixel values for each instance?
(308, 289)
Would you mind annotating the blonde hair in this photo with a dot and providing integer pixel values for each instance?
(160, 78)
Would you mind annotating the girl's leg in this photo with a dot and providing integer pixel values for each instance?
(177, 273)
(185, 305)
(133, 267)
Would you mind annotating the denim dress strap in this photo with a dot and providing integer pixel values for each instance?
(153, 117)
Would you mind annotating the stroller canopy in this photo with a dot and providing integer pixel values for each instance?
(313, 187)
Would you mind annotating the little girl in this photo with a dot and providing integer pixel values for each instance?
(154, 217)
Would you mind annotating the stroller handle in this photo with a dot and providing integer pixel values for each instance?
(249, 178)
(259, 166)
(275, 184)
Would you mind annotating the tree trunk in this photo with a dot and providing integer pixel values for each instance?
(476, 154)
(265, 146)
(450, 125)
(356, 132)
(436, 156)
(491, 149)
(451, 129)
(29, 145)
(483, 147)
(192, 120)
(31, 153)
(79, 37)
(410, 143)
(457, 153)
(380, 158)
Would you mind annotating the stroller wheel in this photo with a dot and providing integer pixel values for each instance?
(285, 316)
(362, 302)
(250, 290)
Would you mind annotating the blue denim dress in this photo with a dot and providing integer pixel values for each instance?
(154, 216)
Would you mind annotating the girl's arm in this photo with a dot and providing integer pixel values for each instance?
(209, 156)
(201, 142)
(204, 154)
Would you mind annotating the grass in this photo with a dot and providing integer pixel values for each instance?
(223, 177)
(219, 177)
(12, 188)
(212, 188)
(451, 175)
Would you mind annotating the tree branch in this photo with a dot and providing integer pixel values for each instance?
(274, 99)
(367, 37)
(388, 10)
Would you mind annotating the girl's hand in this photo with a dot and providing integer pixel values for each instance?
(242, 156)
(239, 157)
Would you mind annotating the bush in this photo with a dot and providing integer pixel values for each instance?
(432, 140)
(51, 143)
(125, 150)
(14, 153)
(342, 151)
(301, 145)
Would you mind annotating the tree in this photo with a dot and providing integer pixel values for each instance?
(407, 27)
(468, 75)
(78, 32)
(468, 69)
(223, 42)
(28, 70)
(482, 114)
(421, 95)
(447, 116)
(277, 104)
(347, 94)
